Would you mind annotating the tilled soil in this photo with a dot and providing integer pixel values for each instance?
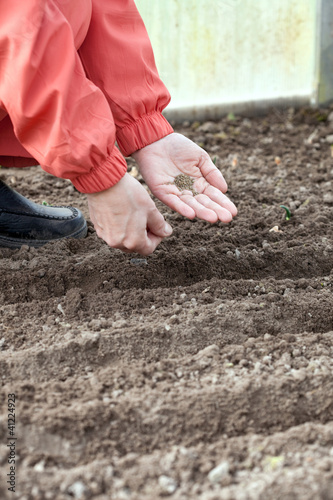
(201, 372)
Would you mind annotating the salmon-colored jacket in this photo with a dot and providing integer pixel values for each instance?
(76, 76)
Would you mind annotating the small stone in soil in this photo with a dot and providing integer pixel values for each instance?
(78, 489)
(139, 262)
(185, 182)
(168, 484)
(219, 472)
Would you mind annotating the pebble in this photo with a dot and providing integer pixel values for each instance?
(174, 319)
(61, 309)
(78, 490)
(167, 484)
(219, 472)
(219, 309)
(328, 198)
(329, 139)
(275, 229)
(40, 466)
(139, 262)
(298, 374)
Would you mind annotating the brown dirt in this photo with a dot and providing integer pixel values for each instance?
(135, 378)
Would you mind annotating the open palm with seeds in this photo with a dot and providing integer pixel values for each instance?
(182, 175)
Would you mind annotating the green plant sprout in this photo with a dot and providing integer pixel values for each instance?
(214, 160)
(288, 213)
(45, 203)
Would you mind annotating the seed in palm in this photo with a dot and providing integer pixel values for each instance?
(185, 182)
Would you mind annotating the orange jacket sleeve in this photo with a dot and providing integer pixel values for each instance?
(59, 113)
(124, 68)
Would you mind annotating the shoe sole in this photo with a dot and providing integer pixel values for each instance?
(7, 242)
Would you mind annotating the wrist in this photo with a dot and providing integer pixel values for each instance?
(104, 176)
(143, 132)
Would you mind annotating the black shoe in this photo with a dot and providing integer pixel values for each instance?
(23, 222)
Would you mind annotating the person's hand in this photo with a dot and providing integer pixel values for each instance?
(162, 161)
(126, 217)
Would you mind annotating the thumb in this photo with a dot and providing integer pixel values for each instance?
(157, 225)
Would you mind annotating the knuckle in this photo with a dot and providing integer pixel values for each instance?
(131, 244)
(137, 245)
(112, 241)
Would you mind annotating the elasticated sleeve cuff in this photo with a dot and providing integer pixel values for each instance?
(146, 130)
(104, 176)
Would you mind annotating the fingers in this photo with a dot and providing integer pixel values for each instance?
(139, 235)
(145, 245)
(199, 209)
(221, 199)
(145, 240)
(210, 206)
(157, 225)
(136, 239)
(209, 210)
(125, 217)
(221, 213)
(212, 174)
(175, 203)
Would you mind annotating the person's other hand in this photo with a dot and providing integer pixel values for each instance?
(162, 161)
(125, 217)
